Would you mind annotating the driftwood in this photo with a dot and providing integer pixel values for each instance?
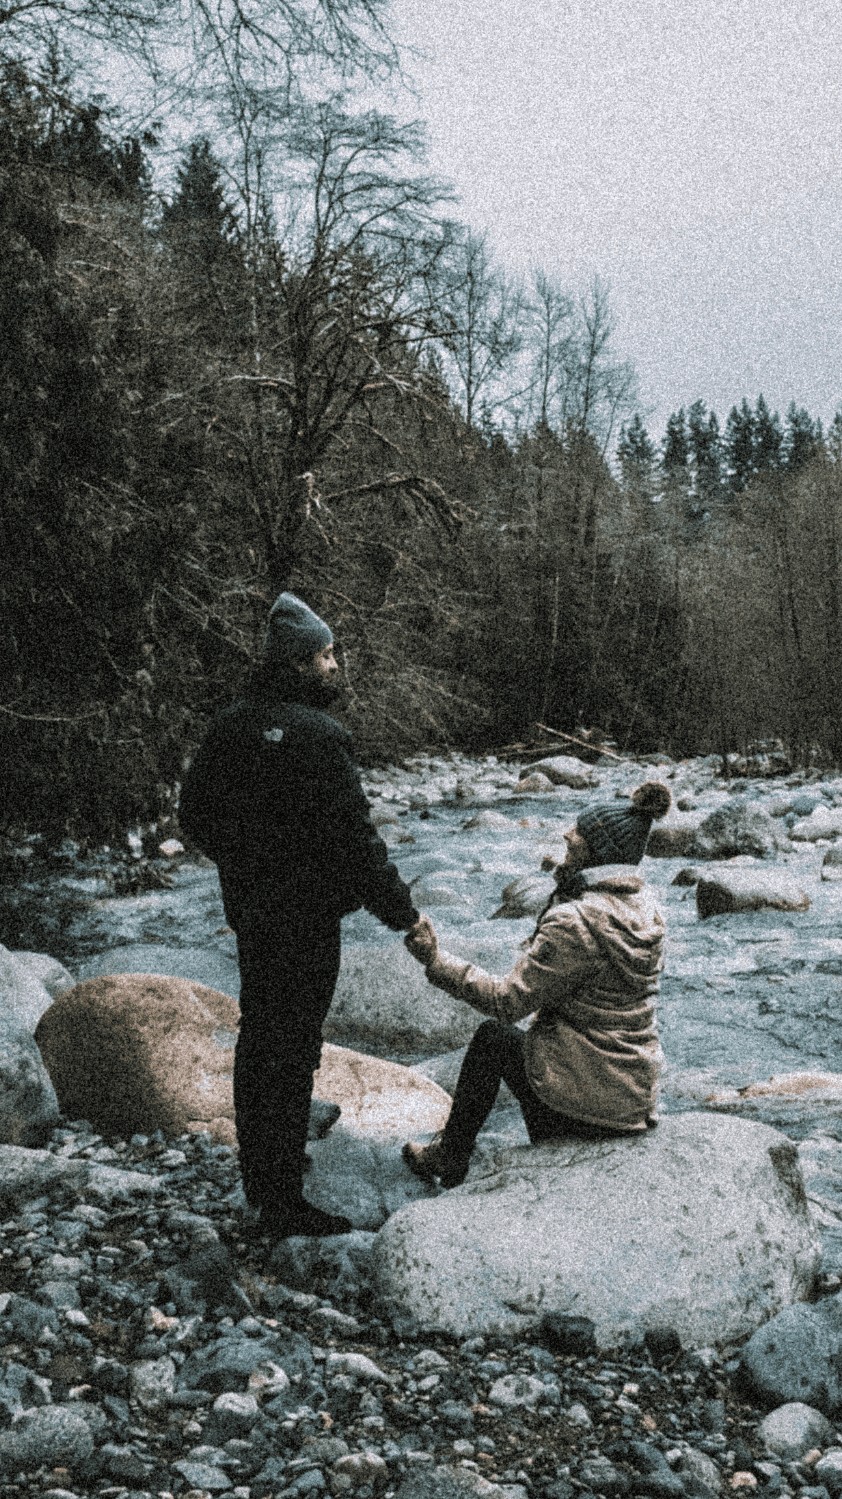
(535, 749)
(595, 748)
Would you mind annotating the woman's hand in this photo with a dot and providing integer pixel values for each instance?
(422, 942)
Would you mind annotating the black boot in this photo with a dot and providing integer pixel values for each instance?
(285, 1220)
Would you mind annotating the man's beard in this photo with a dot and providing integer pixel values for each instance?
(319, 694)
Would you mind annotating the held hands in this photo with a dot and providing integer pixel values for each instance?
(422, 942)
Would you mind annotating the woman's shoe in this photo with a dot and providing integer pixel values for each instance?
(437, 1160)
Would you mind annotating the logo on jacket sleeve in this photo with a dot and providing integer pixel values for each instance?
(273, 736)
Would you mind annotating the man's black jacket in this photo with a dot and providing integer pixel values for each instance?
(274, 798)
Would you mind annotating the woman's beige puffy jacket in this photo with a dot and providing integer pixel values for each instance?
(591, 976)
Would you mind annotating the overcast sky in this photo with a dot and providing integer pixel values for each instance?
(690, 155)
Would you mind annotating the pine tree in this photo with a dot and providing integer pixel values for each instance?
(705, 452)
(636, 453)
(199, 221)
(676, 447)
(802, 439)
(768, 439)
(739, 446)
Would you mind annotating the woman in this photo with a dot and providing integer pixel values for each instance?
(589, 1062)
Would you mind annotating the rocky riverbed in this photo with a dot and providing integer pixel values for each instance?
(149, 1348)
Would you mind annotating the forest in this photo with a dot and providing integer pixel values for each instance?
(274, 356)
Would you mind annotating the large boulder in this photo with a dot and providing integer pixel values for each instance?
(702, 1225)
(562, 770)
(140, 1052)
(23, 995)
(28, 1105)
(674, 836)
(822, 822)
(47, 970)
(364, 1179)
(380, 1100)
(730, 891)
(784, 1099)
(384, 1002)
(134, 1053)
(737, 827)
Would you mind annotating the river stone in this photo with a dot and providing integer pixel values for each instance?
(535, 780)
(823, 822)
(380, 1100)
(23, 995)
(228, 1363)
(337, 1268)
(673, 837)
(828, 1470)
(561, 770)
(710, 1211)
(734, 890)
(28, 1104)
(134, 1053)
(384, 1002)
(25, 1174)
(794, 1429)
(152, 1381)
(48, 971)
(795, 1356)
(737, 827)
(46, 1436)
(832, 864)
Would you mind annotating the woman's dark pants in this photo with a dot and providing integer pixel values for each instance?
(288, 972)
(497, 1055)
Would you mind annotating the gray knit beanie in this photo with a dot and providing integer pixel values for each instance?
(294, 633)
(618, 835)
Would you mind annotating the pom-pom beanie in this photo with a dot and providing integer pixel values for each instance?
(618, 835)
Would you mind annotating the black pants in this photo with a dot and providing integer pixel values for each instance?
(288, 972)
(496, 1055)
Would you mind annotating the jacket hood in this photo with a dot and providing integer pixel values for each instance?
(624, 921)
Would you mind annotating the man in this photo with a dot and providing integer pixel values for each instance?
(274, 797)
(589, 1063)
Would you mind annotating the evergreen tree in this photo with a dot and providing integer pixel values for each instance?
(675, 459)
(706, 453)
(802, 438)
(768, 439)
(636, 453)
(676, 447)
(199, 221)
(739, 446)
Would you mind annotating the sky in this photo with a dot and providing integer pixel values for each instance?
(688, 154)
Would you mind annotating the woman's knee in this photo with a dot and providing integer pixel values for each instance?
(491, 1035)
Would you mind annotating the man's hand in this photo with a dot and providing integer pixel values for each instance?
(422, 942)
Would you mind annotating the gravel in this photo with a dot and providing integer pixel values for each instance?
(164, 1379)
